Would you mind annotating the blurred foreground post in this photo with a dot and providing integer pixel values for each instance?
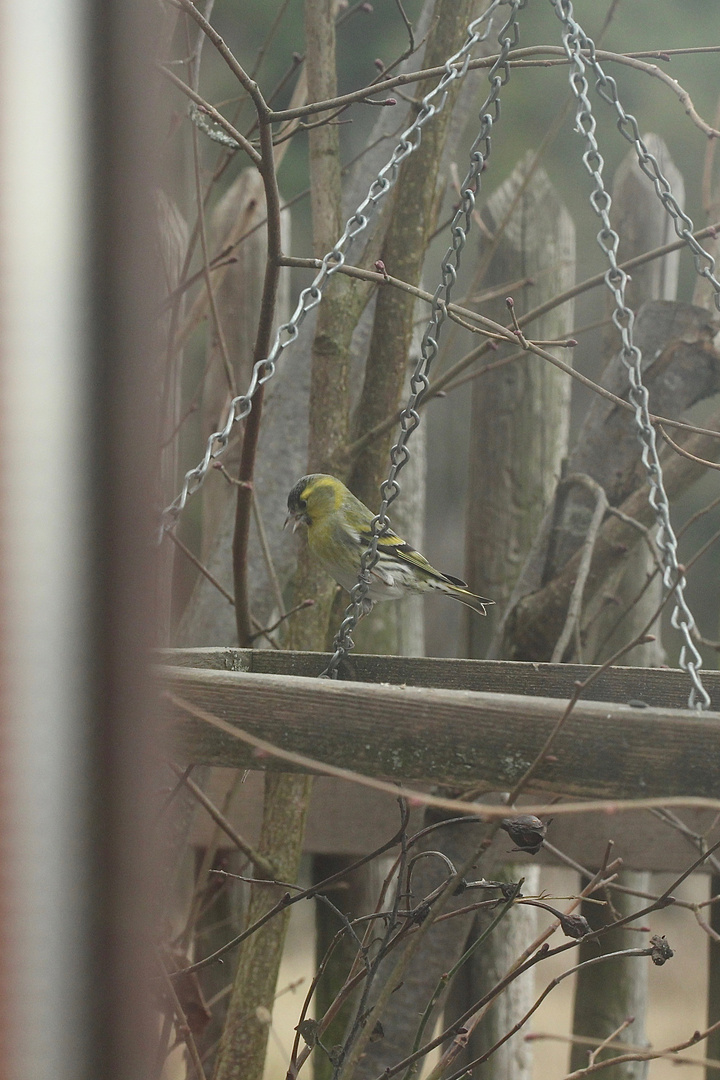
(77, 452)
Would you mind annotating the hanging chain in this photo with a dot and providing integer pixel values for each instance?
(574, 42)
(498, 76)
(240, 406)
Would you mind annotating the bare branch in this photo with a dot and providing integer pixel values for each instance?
(588, 546)
(494, 330)
(203, 569)
(263, 865)
(237, 69)
(218, 118)
(686, 453)
(520, 59)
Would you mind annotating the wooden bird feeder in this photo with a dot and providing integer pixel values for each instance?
(437, 723)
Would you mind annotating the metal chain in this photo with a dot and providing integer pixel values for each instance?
(455, 68)
(628, 127)
(575, 41)
(498, 76)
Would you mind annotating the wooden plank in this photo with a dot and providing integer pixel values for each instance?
(214, 659)
(418, 734)
(663, 687)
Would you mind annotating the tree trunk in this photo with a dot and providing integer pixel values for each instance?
(398, 627)
(241, 1055)
(414, 215)
(244, 1042)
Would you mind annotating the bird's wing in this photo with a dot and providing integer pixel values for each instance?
(390, 546)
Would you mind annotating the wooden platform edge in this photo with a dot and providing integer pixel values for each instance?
(412, 733)
(662, 687)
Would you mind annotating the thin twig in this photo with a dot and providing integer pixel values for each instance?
(248, 84)
(204, 898)
(192, 407)
(218, 118)
(686, 453)
(585, 1040)
(408, 26)
(263, 864)
(643, 1055)
(267, 630)
(267, 555)
(536, 1005)
(466, 1020)
(651, 577)
(644, 531)
(447, 976)
(435, 390)
(704, 925)
(264, 545)
(212, 302)
(519, 59)
(611, 1038)
(243, 505)
(183, 1027)
(203, 569)
(603, 877)
(588, 546)
(707, 179)
(707, 509)
(518, 969)
(578, 690)
(287, 901)
(471, 375)
(495, 329)
(260, 56)
(671, 818)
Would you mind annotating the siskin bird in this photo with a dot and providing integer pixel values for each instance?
(339, 531)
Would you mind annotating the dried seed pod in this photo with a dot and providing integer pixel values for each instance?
(526, 831)
(575, 926)
(661, 951)
(309, 1030)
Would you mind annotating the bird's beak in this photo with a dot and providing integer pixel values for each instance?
(297, 520)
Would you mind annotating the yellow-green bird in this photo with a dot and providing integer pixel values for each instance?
(339, 530)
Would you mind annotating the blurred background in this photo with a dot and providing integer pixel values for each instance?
(532, 105)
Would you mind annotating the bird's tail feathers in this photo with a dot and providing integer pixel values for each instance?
(457, 588)
(477, 603)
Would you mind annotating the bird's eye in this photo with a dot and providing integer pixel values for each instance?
(302, 503)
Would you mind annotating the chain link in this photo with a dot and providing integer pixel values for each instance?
(455, 68)
(498, 76)
(575, 41)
